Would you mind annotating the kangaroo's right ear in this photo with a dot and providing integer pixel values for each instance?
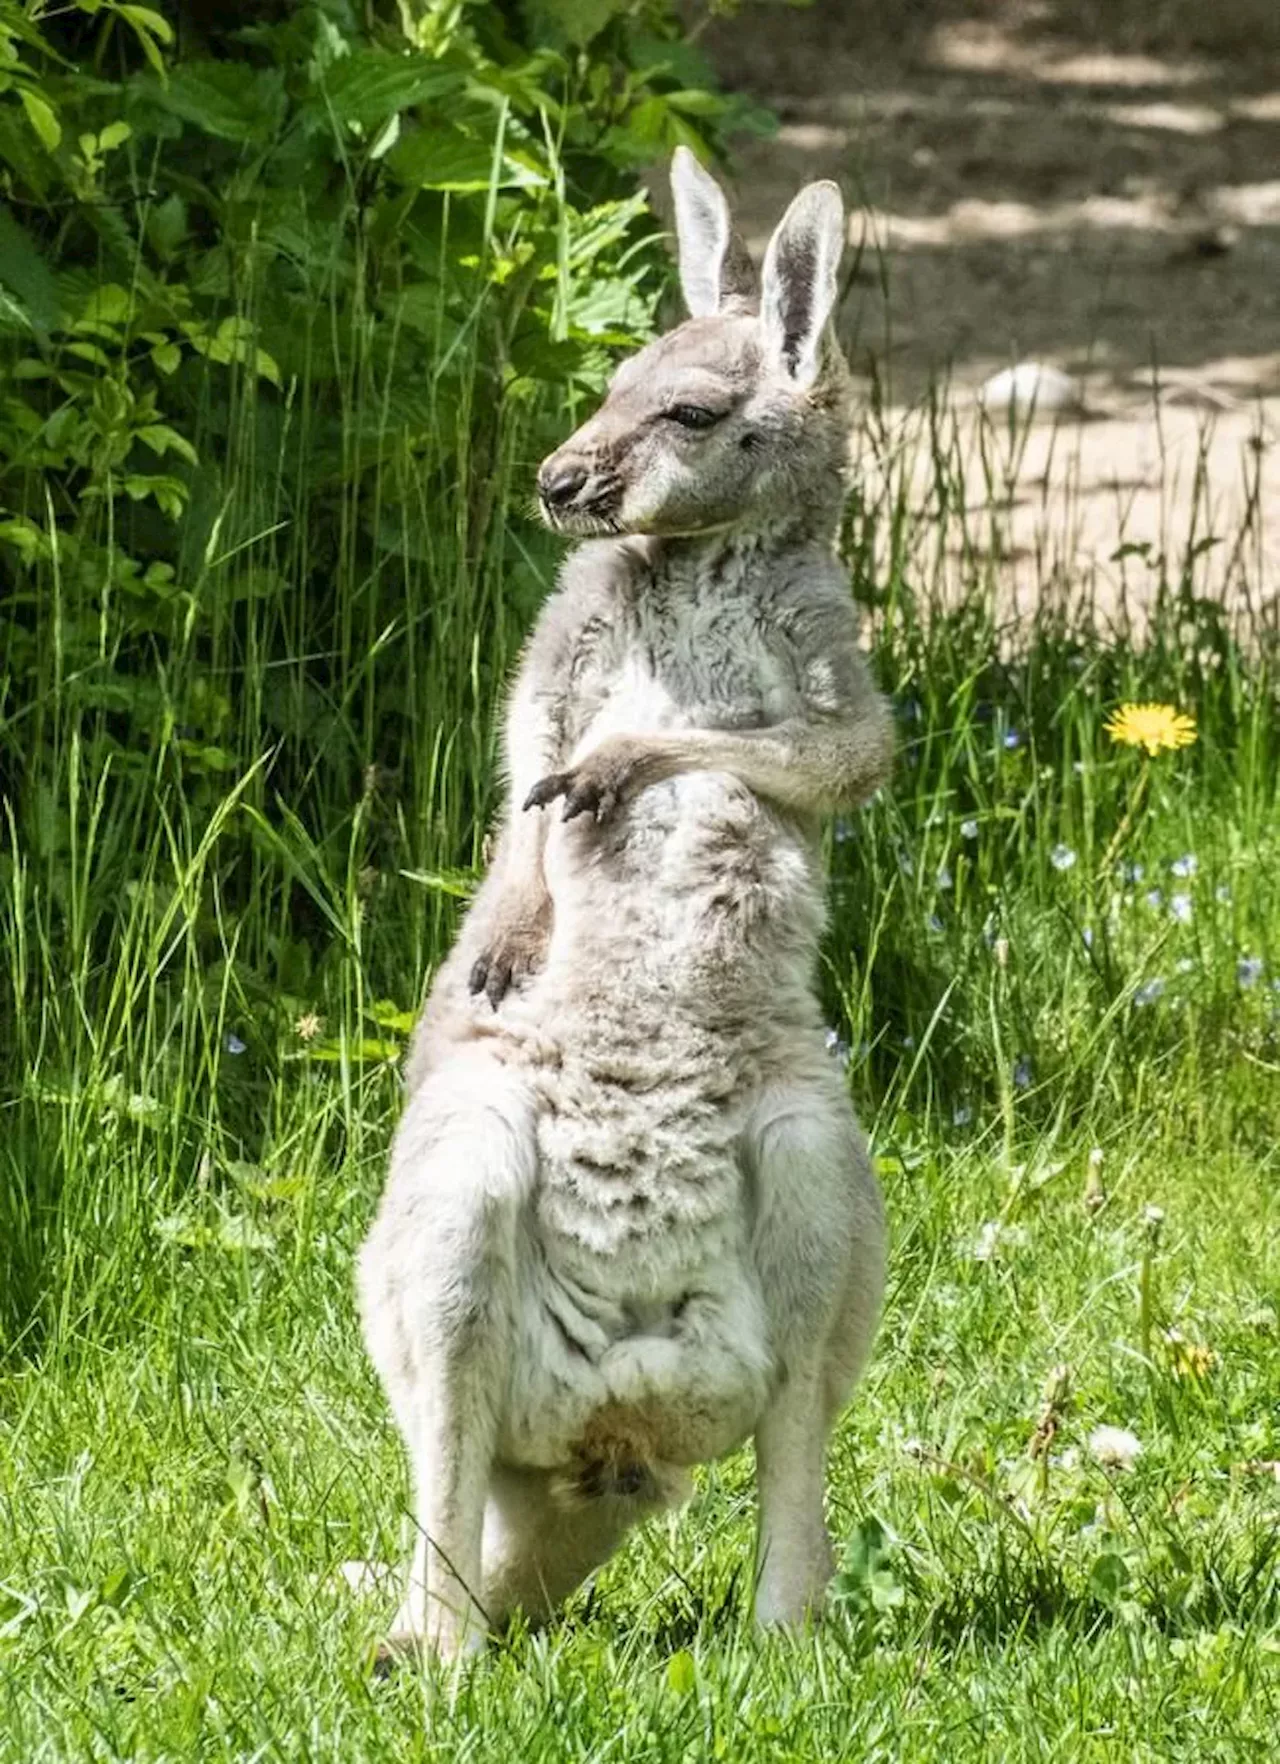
(801, 267)
(715, 269)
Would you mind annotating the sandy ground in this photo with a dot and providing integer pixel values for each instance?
(1096, 187)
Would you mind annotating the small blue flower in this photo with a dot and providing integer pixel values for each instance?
(1149, 991)
(1062, 857)
(968, 829)
(1086, 936)
(233, 1043)
(934, 922)
(1249, 971)
(908, 1041)
(944, 878)
(1222, 894)
(1185, 964)
(1134, 872)
(842, 830)
(1012, 739)
(1022, 1073)
(961, 1115)
(1185, 866)
(905, 863)
(1153, 898)
(1180, 907)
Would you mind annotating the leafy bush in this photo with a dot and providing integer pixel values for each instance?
(280, 317)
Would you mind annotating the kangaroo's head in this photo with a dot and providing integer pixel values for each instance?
(738, 418)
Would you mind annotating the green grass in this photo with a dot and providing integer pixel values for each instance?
(191, 1442)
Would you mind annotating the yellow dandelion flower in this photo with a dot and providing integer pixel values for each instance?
(1153, 726)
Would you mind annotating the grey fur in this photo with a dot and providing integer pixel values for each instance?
(630, 1219)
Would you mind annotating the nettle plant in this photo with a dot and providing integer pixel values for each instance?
(273, 264)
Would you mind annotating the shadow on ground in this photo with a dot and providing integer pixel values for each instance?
(1091, 183)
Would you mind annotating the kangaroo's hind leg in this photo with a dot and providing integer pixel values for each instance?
(818, 1245)
(438, 1293)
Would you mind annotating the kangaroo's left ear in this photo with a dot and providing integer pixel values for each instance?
(716, 273)
(800, 270)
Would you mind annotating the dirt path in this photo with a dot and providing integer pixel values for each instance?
(1094, 186)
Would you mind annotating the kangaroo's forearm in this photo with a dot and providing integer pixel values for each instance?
(810, 768)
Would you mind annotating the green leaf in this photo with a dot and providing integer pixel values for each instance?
(42, 117)
(226, 99)
(368, 87)
(386, 1013)
(574, 21)
(88, 352)
(147, 27)
(142, 18)
(23, 534)
(170, 494)
(440, 156)
(161, 439)
(167, 225)
(24, 271)
(1109, 1577)
(364, 1048)
(457, 884)
(108, 305)
(114, 135)
(167, 357)
(682, 1674)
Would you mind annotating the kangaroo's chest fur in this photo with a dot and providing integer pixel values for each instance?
(675, 650)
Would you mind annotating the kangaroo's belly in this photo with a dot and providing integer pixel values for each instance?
(617, 1379)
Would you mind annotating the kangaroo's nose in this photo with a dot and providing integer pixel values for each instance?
(558, 484)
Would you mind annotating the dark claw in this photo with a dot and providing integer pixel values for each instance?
(492, 976)
(581, 798)
(499, 981)
(547, 789)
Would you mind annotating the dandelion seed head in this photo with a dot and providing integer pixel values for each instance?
(1116, 1448)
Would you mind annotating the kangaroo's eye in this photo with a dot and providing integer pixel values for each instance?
(692, 416)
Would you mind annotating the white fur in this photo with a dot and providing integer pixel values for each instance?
(630, 1219)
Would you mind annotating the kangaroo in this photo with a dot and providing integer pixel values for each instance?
(630, 1219)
